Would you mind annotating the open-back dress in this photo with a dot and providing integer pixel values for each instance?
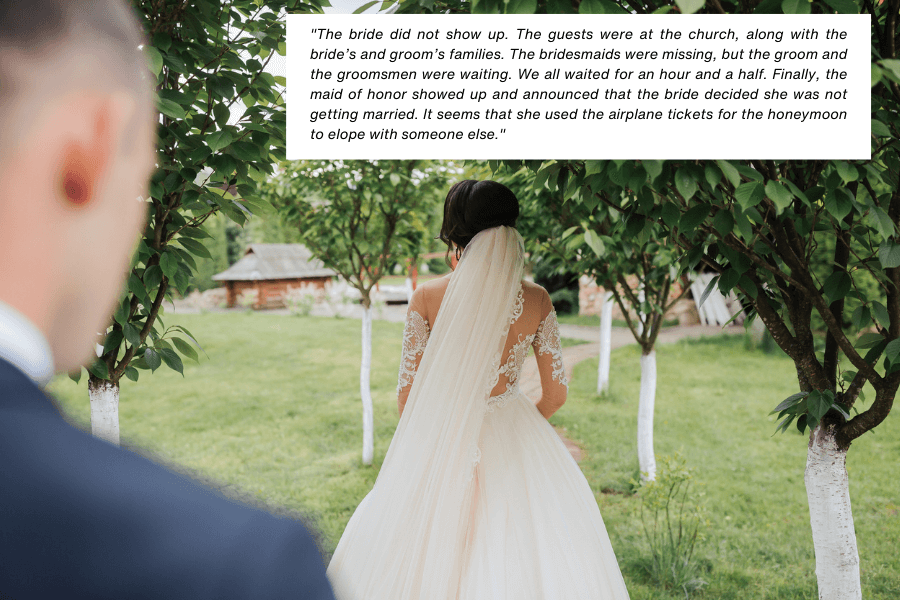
(527, 526)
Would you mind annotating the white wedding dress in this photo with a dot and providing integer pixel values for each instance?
(478, 498)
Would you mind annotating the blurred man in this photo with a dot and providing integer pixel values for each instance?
(81, 518)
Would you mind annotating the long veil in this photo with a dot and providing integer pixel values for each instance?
(407, 539)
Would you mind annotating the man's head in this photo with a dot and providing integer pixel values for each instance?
(77, 143)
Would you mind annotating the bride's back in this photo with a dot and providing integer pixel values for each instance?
(532, 307)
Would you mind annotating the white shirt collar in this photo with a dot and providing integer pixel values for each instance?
(24, 346)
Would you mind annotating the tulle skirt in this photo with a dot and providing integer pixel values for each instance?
(535, 531)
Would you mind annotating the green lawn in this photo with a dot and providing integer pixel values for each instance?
(275, 411)
(594, 321)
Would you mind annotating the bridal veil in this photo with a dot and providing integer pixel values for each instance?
(407, 539)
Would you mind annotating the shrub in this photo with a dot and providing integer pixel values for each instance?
(300, 301)
(248, 299)
(671, 519)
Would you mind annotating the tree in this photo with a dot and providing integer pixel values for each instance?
(758, 224)
(206, 56)
(360, 217)
(605, 343)
(629, 260)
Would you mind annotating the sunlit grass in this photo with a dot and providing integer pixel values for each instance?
(712, 402)
(275, 411)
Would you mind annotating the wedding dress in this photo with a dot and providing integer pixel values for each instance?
(478, 498)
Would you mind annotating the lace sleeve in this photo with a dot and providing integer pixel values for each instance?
(415, 336)
(546, 341)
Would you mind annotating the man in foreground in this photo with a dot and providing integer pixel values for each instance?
(81, 518)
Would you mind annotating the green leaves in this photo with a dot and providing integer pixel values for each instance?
(168, 262)
(154, 58)
(692, 218)
(593, 240)
(152, 358)
(731, 173)
(779, 195)
(846, 171)
(837, 285)
(838, 203)
(522, 7)
(808, 408)
(218, 140)
(591, 7)
(689, 7)
(195, 247)
(796, 7)
(685, 183)
(199, 73)
(132, 334)
(172, 360)
(749, 194)
(186, 349)
(653, 167)
(170, 109)
(843, 6)
(99, 369)
(889, 254)
(869, 340)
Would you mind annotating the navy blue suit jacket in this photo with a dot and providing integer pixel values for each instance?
(81, 518)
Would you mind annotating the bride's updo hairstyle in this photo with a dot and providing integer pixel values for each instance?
(472, 206)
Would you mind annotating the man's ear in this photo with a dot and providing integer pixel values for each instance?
(90, 151)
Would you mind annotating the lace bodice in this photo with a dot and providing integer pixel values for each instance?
(545, 340)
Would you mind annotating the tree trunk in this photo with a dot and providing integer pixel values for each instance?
(834, 538)
(605, 343)
(364, 387)
(646, 458)
(104, 409)
(640, 315)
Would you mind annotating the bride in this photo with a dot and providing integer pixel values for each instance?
(478, 498)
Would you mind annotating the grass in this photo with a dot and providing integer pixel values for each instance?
(594, 321)
(275, 411)
(712, 401)
(401, 279)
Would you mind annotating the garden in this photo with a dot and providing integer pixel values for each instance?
(273, 409)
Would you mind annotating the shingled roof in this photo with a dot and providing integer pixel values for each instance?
(275, 261)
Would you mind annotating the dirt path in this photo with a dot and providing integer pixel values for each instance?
(530, 381)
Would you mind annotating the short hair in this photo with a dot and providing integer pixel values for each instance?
(48, 33)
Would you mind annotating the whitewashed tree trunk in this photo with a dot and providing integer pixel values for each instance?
(104, 409)
(409, 289)
(605, 343)
(834, 538)
(646, 458)
(364, 387)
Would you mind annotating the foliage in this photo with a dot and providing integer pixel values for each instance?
(636, 263)
(219, 246)
(359, 217)
(437, 266)
(300, 300)
(671, 519)
(248, 299)
(562, 286)
(206, 56)
(759, 224)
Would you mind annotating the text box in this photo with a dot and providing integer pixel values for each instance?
(579, 86)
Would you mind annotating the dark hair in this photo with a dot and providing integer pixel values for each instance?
(472, 206)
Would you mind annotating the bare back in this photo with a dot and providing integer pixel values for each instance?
(533, 323)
